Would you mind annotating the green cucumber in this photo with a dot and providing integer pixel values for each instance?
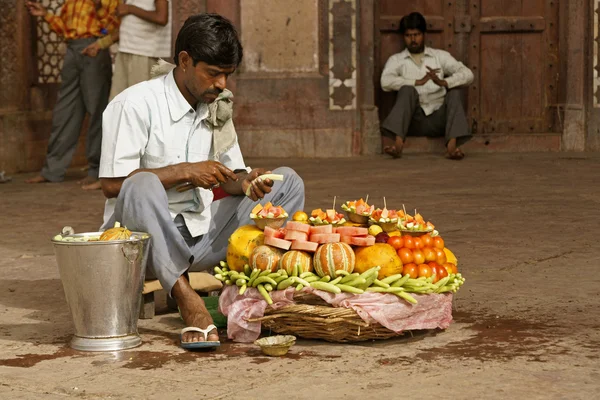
(350, 289)
(286, 283)
(327, 287)
(265, 294)
(263, 279)
(391, 279)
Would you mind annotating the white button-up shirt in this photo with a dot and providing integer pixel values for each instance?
(151, 125)
(401, 70)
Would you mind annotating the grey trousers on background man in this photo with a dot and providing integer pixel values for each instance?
(407, 118)
(142, 206)
(84, 88)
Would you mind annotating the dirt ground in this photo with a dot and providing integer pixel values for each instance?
(526, 323)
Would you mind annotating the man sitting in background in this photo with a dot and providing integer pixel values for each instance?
(427, 103)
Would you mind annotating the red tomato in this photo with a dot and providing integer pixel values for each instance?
(442, 272)
(424, 270)
(405, 255)
(418, 243)
(434, 272)
(396, 242)
(440, 257)
(427, 240)
(433, 264)
(411, 269)
(438, 242)
(409, 242)
(418, 256)
(430, 254)
(451, 268)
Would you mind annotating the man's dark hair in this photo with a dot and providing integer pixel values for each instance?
(412, 21)
(209, 38)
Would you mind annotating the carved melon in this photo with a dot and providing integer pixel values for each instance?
(265, 258)
(296, 257)
(331, 257)
(118, 232)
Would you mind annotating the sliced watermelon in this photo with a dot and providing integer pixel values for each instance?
(346, 239)
(363, 241)
(322, 238)
(296, 235)
(352, 231)
(279, 243)
(304, 246)
(298, 226)
(321, 229)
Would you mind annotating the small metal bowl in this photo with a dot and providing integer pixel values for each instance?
(414, 233)
(274, 223)
(386, 226)
(276, 345)
(357, 218)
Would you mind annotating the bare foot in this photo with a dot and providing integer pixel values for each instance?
(92, 186)
(396, 150)
(454, 152)
(37, 179)
(193, 311)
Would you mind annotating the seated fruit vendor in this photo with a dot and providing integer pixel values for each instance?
(175, 132)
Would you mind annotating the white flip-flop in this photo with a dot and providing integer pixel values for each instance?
(199, 345)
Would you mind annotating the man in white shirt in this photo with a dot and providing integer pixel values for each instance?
(169, 132)
(427, 103)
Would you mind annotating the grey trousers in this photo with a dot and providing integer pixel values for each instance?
(84, 88)
(142, 205)
(407, 118)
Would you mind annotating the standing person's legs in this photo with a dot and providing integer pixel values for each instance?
(231, 212)
(120, 77)
(457, 127)
(130, 69)
(396, 125)
(95, 88)
(67, 118)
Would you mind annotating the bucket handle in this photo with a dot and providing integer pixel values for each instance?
(132, 251)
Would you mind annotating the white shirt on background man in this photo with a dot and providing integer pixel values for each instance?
(402, 70)
(144, 38)
(151, 125)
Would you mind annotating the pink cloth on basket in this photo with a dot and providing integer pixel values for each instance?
(433, 310)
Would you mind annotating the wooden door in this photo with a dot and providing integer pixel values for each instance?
(513, 52)
(510, 45)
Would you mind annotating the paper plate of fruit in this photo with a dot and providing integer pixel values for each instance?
(268, 215)
(328, 217)
(416, 225)
(386, 219)
(358, 211)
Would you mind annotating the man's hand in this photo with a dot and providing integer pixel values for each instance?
(36, 9)
(208, 174)
(91, 50)
(122, 10)
(258, 187)
(436, 79)
(423, 80)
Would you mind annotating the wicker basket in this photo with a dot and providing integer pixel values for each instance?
(313, 318)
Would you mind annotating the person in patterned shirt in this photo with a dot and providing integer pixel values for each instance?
(85, 84)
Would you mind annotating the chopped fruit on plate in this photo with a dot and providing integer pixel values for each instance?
(320, 217)
(384, 216)
(268, 211)
(417, 223)
(359, 207)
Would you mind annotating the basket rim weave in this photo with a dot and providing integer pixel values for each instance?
(313, 318)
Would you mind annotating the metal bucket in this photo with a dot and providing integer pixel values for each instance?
(103, 283)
